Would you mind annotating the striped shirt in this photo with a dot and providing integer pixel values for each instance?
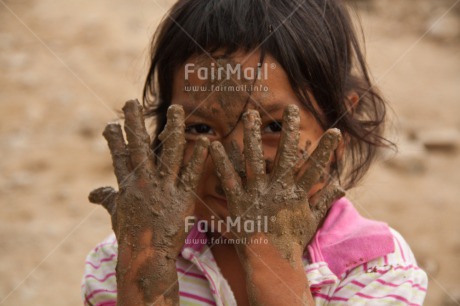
(380, 271)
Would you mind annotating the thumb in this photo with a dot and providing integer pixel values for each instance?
(104, 196)
(323, 200)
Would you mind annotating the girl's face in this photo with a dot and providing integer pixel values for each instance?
(213, 105)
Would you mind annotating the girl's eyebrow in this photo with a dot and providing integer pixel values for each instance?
(203, 112)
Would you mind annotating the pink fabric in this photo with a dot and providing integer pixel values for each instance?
(195, 239)
(347, 240)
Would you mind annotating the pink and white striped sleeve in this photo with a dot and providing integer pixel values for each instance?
(394, 279)
(99, 286)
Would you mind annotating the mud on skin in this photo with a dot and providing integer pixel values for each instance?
(149, 209)
(232, 101)
(279, 194)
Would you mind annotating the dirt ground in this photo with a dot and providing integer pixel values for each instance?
(67, 66)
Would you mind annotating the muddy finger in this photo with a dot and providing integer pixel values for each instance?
(235, 154)
(255, 164)
(118, 150)
(104, 196)
(323, 200)
(286, 155)
(230, 180)
(138, 139)
(318, 160)
(173, 143)
(192, 173)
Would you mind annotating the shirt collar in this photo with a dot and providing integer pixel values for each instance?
(346, 239)
(195, 240)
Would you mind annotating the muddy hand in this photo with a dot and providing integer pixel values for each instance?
(152, 200)
(280, 196)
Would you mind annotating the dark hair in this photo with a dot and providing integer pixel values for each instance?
(313, 40)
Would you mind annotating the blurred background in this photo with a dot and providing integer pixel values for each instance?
(68, 66)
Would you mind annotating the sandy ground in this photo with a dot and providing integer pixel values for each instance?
(67, 66)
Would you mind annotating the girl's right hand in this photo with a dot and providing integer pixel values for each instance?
(153, 199)
(150, 207)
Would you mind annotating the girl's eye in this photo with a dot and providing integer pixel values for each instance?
(273, 127)
(199, 129)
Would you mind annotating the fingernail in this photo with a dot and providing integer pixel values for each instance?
(132, 105)
(175, 112)
(216, 145)
(292, 109)
(248, 117)
(111, 127)
(335, 134)
(203, 141)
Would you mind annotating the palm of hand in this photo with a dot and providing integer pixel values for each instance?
(153, 200)
(278, 198)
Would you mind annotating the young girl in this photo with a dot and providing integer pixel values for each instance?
(264, 113)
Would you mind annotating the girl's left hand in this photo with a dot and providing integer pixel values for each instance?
(280, 198)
